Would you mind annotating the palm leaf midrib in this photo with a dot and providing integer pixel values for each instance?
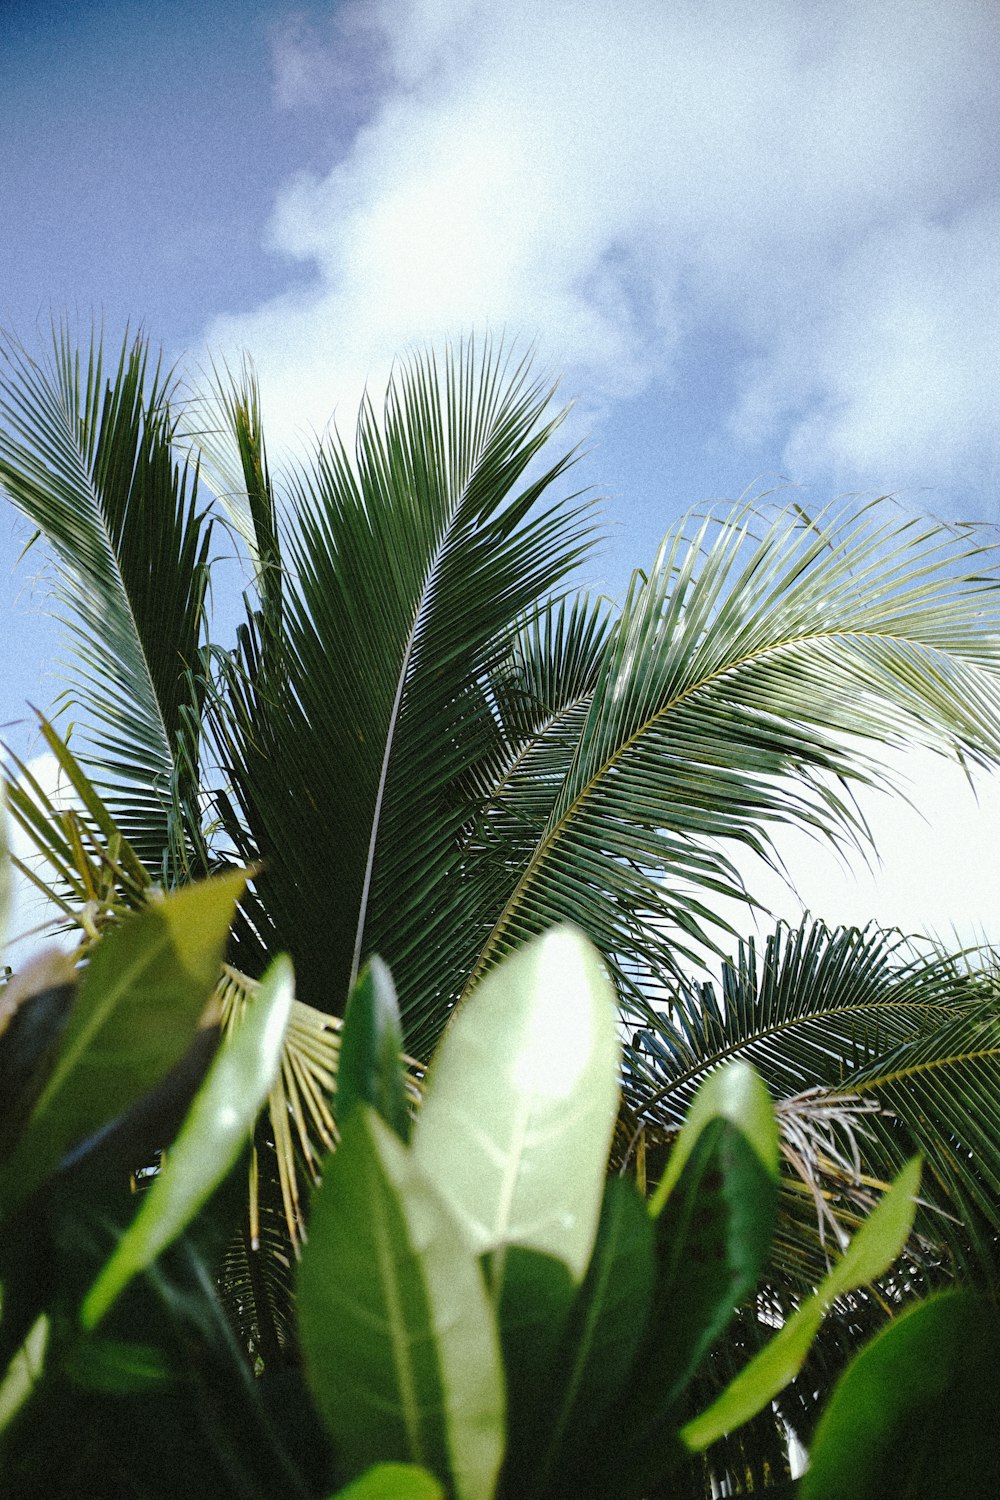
(551, 835)
(455, 508)
(740, 1045)
(928, 1065)
(401, 680)
(530, 742)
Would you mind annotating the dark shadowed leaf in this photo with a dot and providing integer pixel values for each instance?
(371, 1069)
(872, 1250)
(133, 1017)
(918, 1412)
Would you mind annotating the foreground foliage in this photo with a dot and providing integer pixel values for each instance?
(424, 743)
(483, 1311)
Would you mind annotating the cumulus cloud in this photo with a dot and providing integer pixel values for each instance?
(812, 185)
(898, 378)
(819, 181)
(332, 63)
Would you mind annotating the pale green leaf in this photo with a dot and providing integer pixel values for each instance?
(520, 1104)
(24, 1371)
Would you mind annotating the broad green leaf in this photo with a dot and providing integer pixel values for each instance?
(872, 1250)
(917, 1411)
(599, 1342)
(712, 1241)
(211, 1138)
(398, 1335)
(371, 1070)
(393, 1482)
(733, 1093)
(117, 1367)
(136, 1010)
(532, 1305)
(520, 1104)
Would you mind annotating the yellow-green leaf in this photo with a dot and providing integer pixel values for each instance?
(138, 1005)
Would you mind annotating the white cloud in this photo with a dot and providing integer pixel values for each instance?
(898, 379)
(817, 179)
(935, 870)
(818, 182)
(332, 64)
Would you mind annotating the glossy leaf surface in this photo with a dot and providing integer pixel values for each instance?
(520, 1104)
(216, 1129)
(397, 1331)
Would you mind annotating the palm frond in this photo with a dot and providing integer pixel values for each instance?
(747, 683)
(940, 1095)
(408, 571)
(300, 1119)
(872, 1051)
(89, 461)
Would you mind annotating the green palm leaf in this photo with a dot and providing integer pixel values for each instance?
(407, 570)
(745, 681)
(88, 459)
(941, 1092)
(836, 1021)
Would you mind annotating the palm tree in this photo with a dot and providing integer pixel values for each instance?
(426, 742)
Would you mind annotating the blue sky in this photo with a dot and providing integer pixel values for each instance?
(759, 243)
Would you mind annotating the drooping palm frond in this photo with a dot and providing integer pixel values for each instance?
(746, 679)
(88, 459)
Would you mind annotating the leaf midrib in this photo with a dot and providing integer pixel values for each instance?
(740, 1046)
(552, 836)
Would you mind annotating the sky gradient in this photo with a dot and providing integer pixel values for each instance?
(758, 244)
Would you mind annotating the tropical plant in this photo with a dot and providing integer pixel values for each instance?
(483, 1311)
(426, 742)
